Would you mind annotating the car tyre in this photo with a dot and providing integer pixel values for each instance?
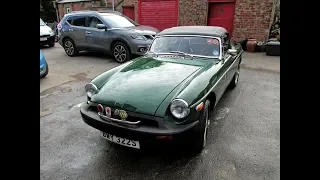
(70, 48)
(120, 52)
(235, 78)
(199, 138)
(46, 72)
(51, 44)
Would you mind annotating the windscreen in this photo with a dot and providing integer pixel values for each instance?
(195, 45)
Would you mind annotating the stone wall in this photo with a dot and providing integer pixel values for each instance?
(193, 12)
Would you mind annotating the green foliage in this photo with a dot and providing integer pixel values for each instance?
(48, 13)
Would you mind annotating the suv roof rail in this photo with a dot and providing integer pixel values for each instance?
(81, 11)
(109, 11)
(101, 11)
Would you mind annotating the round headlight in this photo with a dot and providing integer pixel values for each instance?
(179, 108)
(91, 89)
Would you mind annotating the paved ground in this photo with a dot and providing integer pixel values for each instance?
(244, 139)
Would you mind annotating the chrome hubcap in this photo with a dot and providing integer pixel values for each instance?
(207, 123)
(120, 53)
(68, 47)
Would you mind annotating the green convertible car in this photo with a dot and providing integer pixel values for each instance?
(169, 93)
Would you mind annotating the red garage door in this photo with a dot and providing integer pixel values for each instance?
(160, 14)
(128, 11)
(221, 14)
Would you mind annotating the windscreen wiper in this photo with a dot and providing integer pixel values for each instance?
(182, 53)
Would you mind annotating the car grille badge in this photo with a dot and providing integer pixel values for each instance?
(123, 115)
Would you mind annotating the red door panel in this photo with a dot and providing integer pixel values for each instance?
(221, 14)
(160, 14)
(128, 11)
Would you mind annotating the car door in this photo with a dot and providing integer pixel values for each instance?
(78, 30)
(96, 39)
(221, 76)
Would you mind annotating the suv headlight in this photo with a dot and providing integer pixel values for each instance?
(91, 89)
(179, 108)
(138, 37)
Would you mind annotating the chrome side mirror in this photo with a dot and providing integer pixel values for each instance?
(232, 51)
(101, 26)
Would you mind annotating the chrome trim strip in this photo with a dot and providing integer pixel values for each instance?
(117, 120)
(202, 99)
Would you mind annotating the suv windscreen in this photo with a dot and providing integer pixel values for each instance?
(198, 46)
(116, 21)
(42, 23)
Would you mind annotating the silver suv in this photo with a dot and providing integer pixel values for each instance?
(107, 31)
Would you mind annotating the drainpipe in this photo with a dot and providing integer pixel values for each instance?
(55, 5)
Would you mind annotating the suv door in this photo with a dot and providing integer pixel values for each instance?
(78, 30)
(95, 38)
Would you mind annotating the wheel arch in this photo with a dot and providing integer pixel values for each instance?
(119, 40)
(212, 98)
(66, 37)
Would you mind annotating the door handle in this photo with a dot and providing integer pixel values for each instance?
(87, 32)
(70, 29)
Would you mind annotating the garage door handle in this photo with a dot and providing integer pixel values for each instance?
(87, 32)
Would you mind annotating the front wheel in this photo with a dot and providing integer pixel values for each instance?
(70, 48)
(120, 52)
(199, 139)
(46, 71)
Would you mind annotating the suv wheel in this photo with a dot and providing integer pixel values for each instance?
(70, 47)
(120, 52)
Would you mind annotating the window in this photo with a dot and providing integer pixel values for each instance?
(68, 10)
(69, 20)
(93, 21)
(79, 21)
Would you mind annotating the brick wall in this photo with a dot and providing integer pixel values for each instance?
(252, 19)
(192, 12)
(61, 11)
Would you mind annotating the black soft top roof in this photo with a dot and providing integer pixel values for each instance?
(195, 30)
